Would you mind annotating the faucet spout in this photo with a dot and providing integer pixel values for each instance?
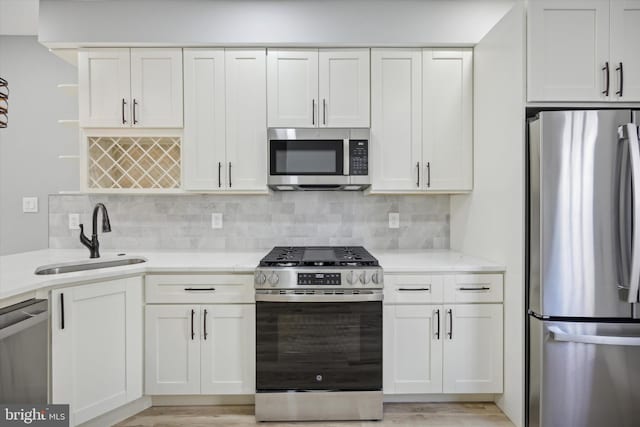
(94, 245)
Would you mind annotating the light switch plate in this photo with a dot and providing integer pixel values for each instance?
(30, 204)
(394, 220)
(74, 221)
(216, 220)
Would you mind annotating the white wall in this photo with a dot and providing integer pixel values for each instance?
(69, 23)
(490, 221)
(18, 17)
(30, 145)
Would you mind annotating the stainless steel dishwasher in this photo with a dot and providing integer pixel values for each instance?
(23, 352)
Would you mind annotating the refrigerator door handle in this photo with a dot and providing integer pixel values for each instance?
(558, 335)
(629, 132)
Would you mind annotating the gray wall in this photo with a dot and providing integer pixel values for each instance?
(256, 222)
(29, 147)
(65, 23)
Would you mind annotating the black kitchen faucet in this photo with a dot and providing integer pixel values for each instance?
(93, 244)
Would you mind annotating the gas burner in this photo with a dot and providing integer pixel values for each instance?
(318, 256)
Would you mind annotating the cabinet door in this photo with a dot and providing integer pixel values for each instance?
(344, 88)
(625, 46)
(203, 145)
(246, 94)
(156, 88)
(472, 348)
(412, 359)
(292, 88)
(172, 360)
(104, 88)
(96, 346)
(396, 102)
(568, 48)
(228, 349)
(447, 119)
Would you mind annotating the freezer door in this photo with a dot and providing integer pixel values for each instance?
(579, 184)
(584, 374)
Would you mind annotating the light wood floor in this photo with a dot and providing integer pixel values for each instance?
(395, 414)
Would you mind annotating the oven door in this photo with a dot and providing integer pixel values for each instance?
(328, 346)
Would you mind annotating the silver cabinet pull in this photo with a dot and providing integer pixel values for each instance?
(481, 288)
(324, 111)
(621, 74)
(124, 102)
(428, 174)
(437, 333)
(193, 334)
(313, 112)
(418, 170)
(605, 92)
(204, 324)
(415, 289)
(199, 289)
(450, 314)
(219, 173)
(135, 104)
(230, 184)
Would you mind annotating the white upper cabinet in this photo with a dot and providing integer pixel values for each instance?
(396, 119)
(583, 50)
(246, 119)
(318, 88)
(344, 88)
(292, 88)
(625, 50)
(447, 119)
(225, 131)
(156, 88)
(104, 87)
(203, 146)
(130, 87)
(96, 347)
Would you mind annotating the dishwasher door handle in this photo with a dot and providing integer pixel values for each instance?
(21, 326)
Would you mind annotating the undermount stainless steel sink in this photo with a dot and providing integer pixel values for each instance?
(71, 267)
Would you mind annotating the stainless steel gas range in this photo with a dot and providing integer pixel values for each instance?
(318, 334)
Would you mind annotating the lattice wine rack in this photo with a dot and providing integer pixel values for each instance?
(134, 162)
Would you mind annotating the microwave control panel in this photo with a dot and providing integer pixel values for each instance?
(359, 157)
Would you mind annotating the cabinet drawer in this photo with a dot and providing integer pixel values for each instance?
(412, 289)
(473, 288)
(199, 288)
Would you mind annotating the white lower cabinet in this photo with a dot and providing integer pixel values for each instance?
(200, 349)
(437, 347)
(96, 346)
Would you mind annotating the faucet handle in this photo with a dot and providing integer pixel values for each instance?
(83, 239)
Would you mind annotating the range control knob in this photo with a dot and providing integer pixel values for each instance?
(375, 278)
(261, 278)
(364, 279)
(273, 279)
(351, 278)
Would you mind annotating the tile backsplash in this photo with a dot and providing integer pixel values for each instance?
(255, 222)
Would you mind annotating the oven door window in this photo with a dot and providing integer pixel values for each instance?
(306, 157)
(319, 346)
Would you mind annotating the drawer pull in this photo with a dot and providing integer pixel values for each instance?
(199, 289)
(414, 289)
(482, 288)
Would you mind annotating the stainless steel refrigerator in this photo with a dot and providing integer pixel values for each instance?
(583, 269)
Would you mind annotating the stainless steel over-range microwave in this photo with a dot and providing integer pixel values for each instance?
(318, 159)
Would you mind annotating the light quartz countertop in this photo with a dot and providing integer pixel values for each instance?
(17, 271)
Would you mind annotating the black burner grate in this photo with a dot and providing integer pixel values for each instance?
(300, 256)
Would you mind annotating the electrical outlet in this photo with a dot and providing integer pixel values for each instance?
(394, 220)
(30, 204)
(216, 220)
(74, 221)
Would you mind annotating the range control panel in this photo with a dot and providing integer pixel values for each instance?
(319, 279)
(359, 157)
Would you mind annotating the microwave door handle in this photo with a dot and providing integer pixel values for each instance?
(345, 156)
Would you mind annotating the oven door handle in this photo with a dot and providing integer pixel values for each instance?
(318, 298)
